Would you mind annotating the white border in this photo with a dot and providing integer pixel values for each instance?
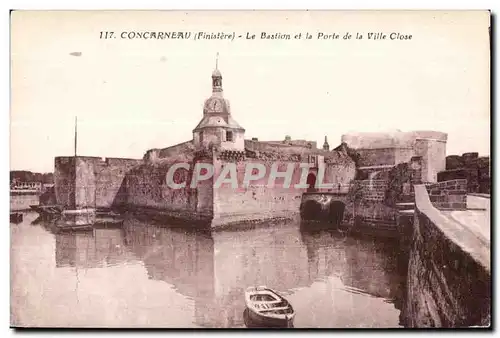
(185, 4)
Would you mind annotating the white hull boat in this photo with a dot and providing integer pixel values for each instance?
(77, 218)
(267, 308)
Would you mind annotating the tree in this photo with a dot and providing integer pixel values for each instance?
(28, 176)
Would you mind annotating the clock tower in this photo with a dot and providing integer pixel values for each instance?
(217, 127)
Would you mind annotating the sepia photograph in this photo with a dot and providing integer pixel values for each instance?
(305, 169)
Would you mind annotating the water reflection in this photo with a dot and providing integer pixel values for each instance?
(331, 280)
(91, 249)
(360, 264)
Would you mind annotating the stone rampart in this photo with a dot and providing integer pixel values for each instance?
(449, 280)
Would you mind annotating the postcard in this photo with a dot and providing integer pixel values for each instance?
(250, 169)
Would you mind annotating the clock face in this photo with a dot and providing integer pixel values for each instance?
(215, 106)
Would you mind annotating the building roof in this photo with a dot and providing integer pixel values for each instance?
(218, 121)
(390, 139)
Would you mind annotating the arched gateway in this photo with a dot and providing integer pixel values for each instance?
(323, 206)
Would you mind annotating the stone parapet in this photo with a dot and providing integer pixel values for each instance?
(449, 279)
(449, 195)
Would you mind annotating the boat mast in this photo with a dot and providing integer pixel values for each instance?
(74, 178)
(76, 132)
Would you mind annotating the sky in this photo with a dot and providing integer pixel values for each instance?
(131, 95)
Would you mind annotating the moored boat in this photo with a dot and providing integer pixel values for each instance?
(77, 217)
(267, 308)
(47, 211)
(16, 217)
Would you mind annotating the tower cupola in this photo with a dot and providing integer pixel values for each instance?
(217, 126)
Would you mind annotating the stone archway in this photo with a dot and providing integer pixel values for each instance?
(311, 181)
(336, 212)
(310, 210)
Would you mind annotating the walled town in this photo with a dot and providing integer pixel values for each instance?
(398, 184)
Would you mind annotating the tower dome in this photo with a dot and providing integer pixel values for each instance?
(216, 103)
(216, 73)
(217, 109)
(217, 125)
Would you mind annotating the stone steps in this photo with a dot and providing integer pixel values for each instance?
(405, 206)
(408, 198)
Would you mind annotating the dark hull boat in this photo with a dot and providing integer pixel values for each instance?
(266, 308)
(47, 211)
(16, 217)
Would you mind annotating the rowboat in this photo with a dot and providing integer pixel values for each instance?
(267, 308)
(76, 218)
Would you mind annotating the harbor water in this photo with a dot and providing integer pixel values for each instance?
(149, 275)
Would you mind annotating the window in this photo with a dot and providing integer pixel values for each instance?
(229, 136)
(201, 137)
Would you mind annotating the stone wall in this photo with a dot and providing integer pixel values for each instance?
(388, 149)
(433, 153)
(279, 146)
(377, 199)
(181, 148)
(449, 195)
(471, 167)
(375, 157)
(90, 182)
(147, 191)
(453, 174)
(85, 182)
(449, 279)
(366, 203)
(259, 201)
(401, 180)
(146, 187)
(372, 190)
(109, 181)
(369, 213)
(75, 181)
(64, 181)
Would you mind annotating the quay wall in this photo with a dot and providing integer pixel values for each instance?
(147, 190)
(85, 183)
(134, 185)
(91, 182)
(110, 181)
(64, 181)
(259, 202)
(376, 200)
(449, 279)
